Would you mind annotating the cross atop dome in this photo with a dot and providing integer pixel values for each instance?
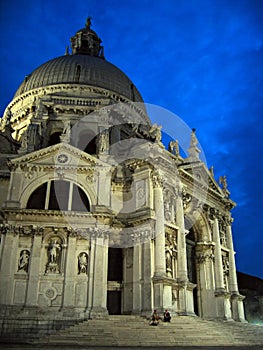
(87, 42)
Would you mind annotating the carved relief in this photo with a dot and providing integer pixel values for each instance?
(83, 263)
(140, 194)
(203, 257)
(225, 262)
(186, 197)
(222, 232)
(23, 261)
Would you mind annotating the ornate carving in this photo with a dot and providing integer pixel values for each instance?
(222, 232)
(203, 257)
(62, 158)
(186, 197)
(225, 261)
(140, 236)
(157, 180)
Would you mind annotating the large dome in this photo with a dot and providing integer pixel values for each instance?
(81, 69)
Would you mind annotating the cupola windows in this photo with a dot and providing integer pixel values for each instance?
(59, 195)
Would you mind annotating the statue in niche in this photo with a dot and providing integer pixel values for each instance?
(168, 256)
(83, 263)
(54, 251)
(103, 141)
(167, 212)
(23, 260)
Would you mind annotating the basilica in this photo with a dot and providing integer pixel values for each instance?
(98, 217)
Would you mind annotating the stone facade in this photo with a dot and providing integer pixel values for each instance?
(97, 216)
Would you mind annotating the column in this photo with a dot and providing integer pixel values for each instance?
(160, 263)
(219, 273)
(233, 287)
(184, 287)
(222, 296)
(91, 277)
(182, 274)
(137, 278)
(147, 278)
(159, 249)
(70, 271)
(237, 306)
(34, 269)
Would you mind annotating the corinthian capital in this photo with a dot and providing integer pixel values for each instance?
(157, 180)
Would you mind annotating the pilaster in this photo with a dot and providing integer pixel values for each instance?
(137, 256)
(99, 302)
(70, 266)
(8, 265)
(34, 270)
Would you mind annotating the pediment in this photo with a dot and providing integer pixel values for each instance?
(61, 155)
(200, 174)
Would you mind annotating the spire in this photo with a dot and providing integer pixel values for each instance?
(87, 42)
(193, 150)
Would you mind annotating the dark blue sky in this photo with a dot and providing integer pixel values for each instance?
(200, 59)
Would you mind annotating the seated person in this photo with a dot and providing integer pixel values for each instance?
(166, 316)
(155, 318)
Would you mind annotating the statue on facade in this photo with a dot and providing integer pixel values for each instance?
(174, 148)
(155, 133)
(23, 260)
(103, 141)
(223, 182)
(65, 136)
(168, 258)
(54, 251)
(83, 263)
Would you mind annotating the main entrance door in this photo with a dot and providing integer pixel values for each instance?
(115, 276)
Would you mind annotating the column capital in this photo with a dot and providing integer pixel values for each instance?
(157, 179)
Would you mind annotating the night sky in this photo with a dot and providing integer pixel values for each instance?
(200, 59)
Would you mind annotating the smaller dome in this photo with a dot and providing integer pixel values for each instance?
(87, 42)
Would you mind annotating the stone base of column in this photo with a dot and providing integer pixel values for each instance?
(185, 299)
(238, 307)
(223, 305)
(98, 312)
(162, 288)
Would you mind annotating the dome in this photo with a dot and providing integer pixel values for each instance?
(81, 69)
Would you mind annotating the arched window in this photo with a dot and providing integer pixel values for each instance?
(59, 195)
(37, 198)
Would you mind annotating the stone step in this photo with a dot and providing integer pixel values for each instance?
(136, 331)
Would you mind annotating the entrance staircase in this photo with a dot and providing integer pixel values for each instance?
(121, 331)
